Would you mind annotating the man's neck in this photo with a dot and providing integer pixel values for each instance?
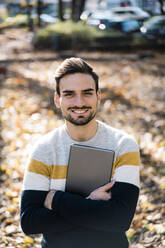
(82, 133)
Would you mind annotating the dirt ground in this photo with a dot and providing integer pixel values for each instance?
(133, 99)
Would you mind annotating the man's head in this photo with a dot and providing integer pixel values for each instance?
(77, 93)
(71, 66)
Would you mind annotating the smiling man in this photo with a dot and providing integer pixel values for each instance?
(78, 101)
(70, 220)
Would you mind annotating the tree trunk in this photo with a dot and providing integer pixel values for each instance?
(161, 7)
(77, 9)
(28, 11)
(73, 9)
(60, 10)
(39, 11)
(82, 6)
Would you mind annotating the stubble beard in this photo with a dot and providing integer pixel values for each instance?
(81, 120)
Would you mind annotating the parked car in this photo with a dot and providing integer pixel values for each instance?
(107, 20)
(49, 8)
(100, 19)
(154, 28)
(48, 19)
(131, 12)
(125, 25)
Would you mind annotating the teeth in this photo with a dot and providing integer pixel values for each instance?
(79, 111)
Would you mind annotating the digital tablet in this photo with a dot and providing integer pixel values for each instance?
(88, 168)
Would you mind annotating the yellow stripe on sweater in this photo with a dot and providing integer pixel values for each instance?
(60, 171)
(130, 158)
(51, 171)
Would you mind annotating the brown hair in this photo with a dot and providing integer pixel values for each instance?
(74, 65)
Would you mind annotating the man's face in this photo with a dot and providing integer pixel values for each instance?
(78, 99)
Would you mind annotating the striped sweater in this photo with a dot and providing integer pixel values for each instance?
(92, 223)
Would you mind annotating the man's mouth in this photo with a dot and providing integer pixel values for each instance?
(79, 110)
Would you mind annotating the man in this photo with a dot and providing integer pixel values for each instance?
(70, 220)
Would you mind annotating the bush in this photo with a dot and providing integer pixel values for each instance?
(68, 35)
(16, 21)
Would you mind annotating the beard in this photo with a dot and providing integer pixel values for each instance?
(80, 120)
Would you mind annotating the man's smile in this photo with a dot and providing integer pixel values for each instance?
(79, 111)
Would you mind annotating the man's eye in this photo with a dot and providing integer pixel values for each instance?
(68, 94)
(88, 93)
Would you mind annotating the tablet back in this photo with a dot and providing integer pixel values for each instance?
(88, 168)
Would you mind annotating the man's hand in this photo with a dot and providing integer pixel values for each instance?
(102, 193)
(49, 198)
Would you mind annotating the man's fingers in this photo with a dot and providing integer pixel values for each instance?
(108, 186)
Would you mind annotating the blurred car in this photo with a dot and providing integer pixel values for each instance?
(48, 19)
(107, 20)
(44, 17)
(19, 7)
(100, 19)
(131, 12)
(125, 25)
(154, 28)
(49, 8)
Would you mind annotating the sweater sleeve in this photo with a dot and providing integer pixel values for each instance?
(35, 218)
(113, 215)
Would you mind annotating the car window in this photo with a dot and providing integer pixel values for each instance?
(161, 23)
(154, 21)
(120, 12)
(130, 25)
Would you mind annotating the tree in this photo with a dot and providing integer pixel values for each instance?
(77, 8)
(162, 11)
(28, 11)
(39, 11)
(60, 10)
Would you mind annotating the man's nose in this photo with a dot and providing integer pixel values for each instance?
(79, 101)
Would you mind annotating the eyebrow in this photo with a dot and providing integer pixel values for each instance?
(71, 91)
(90, 89)
(67, 91)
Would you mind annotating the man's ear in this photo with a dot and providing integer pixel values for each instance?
(99, 96)
(57, 100)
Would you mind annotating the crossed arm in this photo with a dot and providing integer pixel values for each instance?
(102, 193)
(102, 210)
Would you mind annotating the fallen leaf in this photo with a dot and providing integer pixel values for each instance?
(160, 228)
(130, 233)
(11, 229)
(28, 240)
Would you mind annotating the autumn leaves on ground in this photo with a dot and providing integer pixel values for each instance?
(133, 98)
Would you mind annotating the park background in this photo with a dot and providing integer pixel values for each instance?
(132, 80)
